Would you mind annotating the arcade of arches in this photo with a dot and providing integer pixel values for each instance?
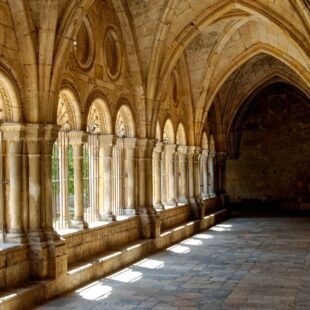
(128, 125)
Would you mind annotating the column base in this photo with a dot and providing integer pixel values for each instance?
(150, 223)
(205, 196)
(130, 212)
(79, 224)
(36, 236)
(39, 257)
(171, 203)
(159, 206)
(182, 200)
(195, 208)
(108, 216)
(51, 235)
(16, 236)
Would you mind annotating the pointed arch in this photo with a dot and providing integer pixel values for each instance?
(158, 135)
(99, 117)
(10, 105)
(124, 123)
(212, 143)
(68, 111)
(204, 141)
(181, 135)
(168, 132)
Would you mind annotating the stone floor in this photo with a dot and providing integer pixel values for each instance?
(243, 263)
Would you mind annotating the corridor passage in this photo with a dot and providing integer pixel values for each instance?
(242, 263)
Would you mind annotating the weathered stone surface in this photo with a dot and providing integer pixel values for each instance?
(242, 263)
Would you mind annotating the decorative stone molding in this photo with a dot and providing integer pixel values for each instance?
(113, 53)
(13, 132)
(88, 45)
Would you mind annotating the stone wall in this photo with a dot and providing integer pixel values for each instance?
(14, 266)
(88, 243)
(274, 161)
(175, 216)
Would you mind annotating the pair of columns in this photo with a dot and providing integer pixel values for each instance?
(124, 176)
(182, 174)
(172, 168)
(29, 150)
(111, 181)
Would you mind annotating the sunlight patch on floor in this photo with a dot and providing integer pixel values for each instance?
(127, 275)
(180, 249)
(150, 264)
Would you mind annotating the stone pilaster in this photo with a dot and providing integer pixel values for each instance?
(13, 135)
(57, 255)
(221, 171)
(33, 136)
(170, 174)
(129, 148)
(157, 178)
(77, 140)
(204, 159)
(150, 221)
(195, 205)
(50, 134)
(211, 175)
(182, 177)
(106, 143)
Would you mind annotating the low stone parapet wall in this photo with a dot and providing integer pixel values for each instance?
(14, 265)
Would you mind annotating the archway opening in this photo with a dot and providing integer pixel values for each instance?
(270, 151)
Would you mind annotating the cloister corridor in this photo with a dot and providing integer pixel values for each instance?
(246, 262)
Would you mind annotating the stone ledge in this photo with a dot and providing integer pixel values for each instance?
(79, 274)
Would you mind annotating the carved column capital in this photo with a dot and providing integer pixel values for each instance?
(158, 147)
(170, 148)
(49, 136)
(142, 147)
(106, 140)
(182, 149)
(77, 137)
(13, 133)
(33, 136)
(130, 143)
(212, 154)
(205, 153)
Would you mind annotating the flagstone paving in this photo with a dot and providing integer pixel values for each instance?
(242, 263)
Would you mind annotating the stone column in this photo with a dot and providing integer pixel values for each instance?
(157, 178)
(204, 159)
(149, 219)
(182, 179)
(50, 134)
(33, 135)
(195, 207)
(169, 156)
(190, 175)
(197, 187)
(51, 260)
(211, 173)
(77, 140)
(129, 148)
(221, 173)
(13, 135)
(106, 143)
